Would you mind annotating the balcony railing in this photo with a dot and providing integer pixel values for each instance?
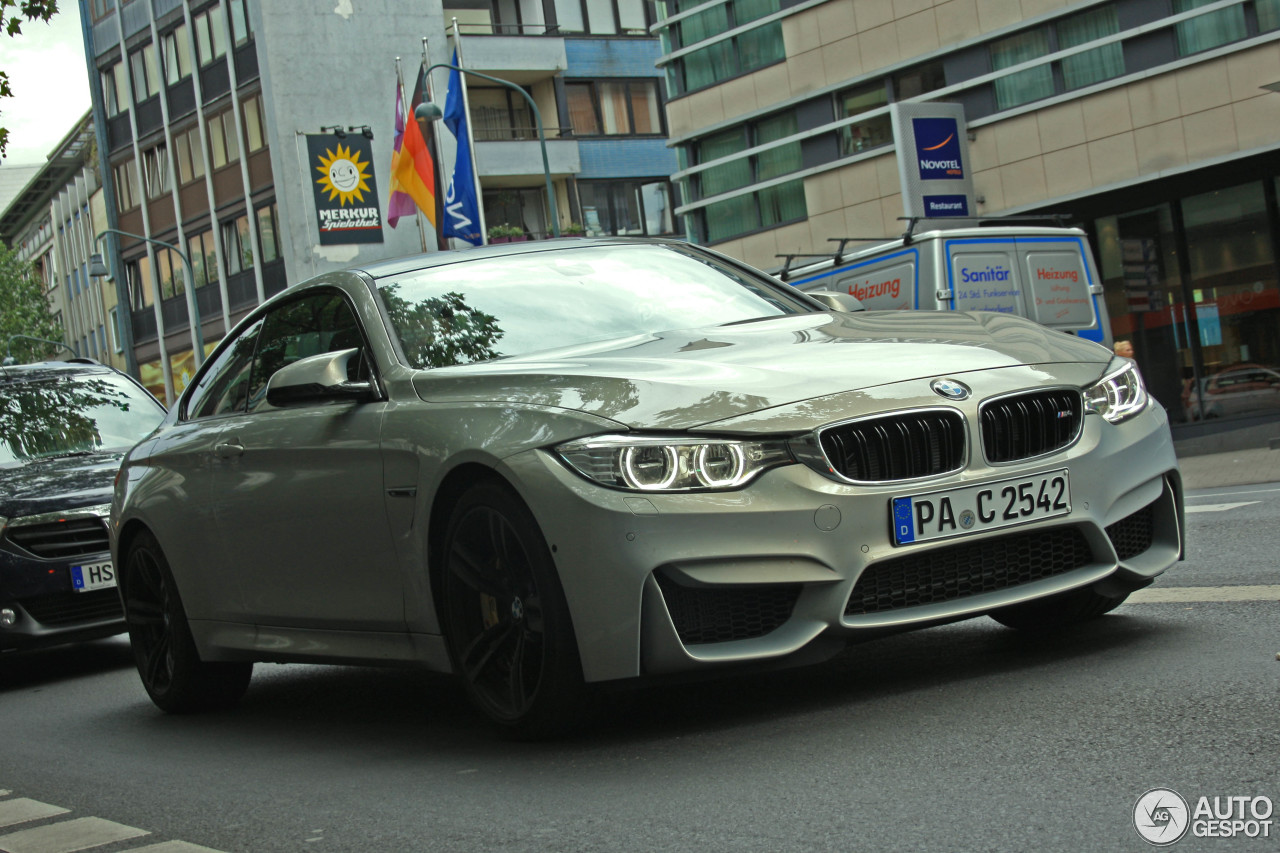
(524, 134)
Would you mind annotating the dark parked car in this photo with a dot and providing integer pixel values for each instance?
(64, 428)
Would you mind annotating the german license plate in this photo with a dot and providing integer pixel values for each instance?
(93, 576)
(989, 506)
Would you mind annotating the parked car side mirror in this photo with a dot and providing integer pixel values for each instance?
(317, 377)
(837, 301)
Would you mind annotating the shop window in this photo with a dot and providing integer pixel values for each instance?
(614, 107)
(1209, 30)
(177, 55)
(626, 208)
(872, 132)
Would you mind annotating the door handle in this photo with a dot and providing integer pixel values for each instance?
(228, 449)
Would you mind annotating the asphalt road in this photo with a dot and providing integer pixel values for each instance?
(966, 737)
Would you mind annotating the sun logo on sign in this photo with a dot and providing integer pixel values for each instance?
(343, 175)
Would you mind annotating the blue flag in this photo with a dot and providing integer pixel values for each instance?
(461, 207)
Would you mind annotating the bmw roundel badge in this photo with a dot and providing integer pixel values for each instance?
(950, 388)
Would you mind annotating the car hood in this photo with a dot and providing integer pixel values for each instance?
(685, 379)
(57, 485)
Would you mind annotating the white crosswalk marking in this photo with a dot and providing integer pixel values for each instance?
(22, 810)
(1219, 507)
(67, 836)
(1170, 594)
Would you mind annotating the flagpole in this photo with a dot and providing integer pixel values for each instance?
(430, 98)
(471, 137)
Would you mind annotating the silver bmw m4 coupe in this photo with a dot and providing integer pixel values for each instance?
(547, 466)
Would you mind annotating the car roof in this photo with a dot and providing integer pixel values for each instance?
(51, 370)
(396, 266)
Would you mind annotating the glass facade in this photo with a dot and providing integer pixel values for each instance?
(1193, 284)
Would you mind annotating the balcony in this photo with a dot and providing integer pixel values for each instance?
(522, 59)
(519, 161)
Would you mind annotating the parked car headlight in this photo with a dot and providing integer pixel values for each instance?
(664, 464)
(1120, 395)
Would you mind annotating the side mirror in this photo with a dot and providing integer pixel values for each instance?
(835, 300)
(318, 377)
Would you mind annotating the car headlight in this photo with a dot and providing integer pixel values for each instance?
(1120, 395)
(666, 464)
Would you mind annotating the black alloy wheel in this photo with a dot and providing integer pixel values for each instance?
(170, 667)
(505, 616)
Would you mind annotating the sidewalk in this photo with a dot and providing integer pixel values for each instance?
(1230, 468)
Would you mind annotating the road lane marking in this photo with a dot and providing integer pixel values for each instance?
(22, 810)
(1236, 494)
(1220, 507)
(69, 835)
(172, 847)
(1188, 594)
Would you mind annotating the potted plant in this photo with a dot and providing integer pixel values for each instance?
(573, 229)
(506, 233)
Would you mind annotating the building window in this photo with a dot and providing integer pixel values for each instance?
(1022, 86)
(871, 132)
(500, 114)
(204, 259)
(267, 229)
(237, 244)
(171, 275)
(919, 80)
(753, 49)
(190, 155)
(254, 136)
(1092, 66)
(155, 167)
(747, 170)
(146, 73)
(751, 212)
(117, 343)
(223, 147)
(177, 55)
(126, 182)
(211, 35)
(600, 17)
(240, 32)
(115, 89)
(1268, 14)
(621, 208)
(1209, 30)
(100, 9)
(141, 293)
(613, 107)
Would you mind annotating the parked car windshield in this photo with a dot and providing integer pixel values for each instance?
(517, 304)
(66, 414)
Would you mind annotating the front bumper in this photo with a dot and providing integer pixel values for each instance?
(663, 583)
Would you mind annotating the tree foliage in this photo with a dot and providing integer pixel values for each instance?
(24, 310)
(441, 331)
(11, 14)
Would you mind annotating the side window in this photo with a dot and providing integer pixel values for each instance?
(224, 387)
(314, 324)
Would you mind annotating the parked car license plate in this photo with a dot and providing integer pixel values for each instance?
(91, 576)
(989, 506)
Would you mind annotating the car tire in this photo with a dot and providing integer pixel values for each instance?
(1057, 611)
(170, 667)
(505, 617)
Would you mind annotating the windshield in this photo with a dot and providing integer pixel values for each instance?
(69, 414)
(504, 306)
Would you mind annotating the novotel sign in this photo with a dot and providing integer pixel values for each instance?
(933, 160)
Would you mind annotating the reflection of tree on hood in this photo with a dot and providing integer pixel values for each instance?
(49, 418)
(442, 330)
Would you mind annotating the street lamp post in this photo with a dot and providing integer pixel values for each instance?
(97, 269)
(430, 112)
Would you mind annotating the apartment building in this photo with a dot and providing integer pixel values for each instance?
(51, 222)
(1150, 123)
(210, 114)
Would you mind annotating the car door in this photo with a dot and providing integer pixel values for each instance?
(298, 491)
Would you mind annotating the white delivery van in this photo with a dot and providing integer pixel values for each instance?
(1045, 274)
